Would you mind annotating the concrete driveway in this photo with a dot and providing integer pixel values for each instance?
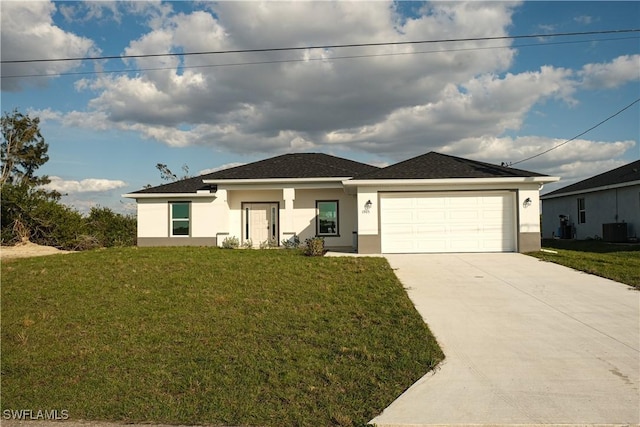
(526, 342)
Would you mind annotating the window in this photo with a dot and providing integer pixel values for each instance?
(582, 213)
(180, 218)
(273, 226)
(327, 222)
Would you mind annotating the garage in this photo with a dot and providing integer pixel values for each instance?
(465, 221)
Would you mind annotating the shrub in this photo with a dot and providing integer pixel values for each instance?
(269, 243)
(111, 229)
(291, 243)
(247, 244)
(33, 214)
(314, 246)
(230, 243)
(55, 224)
(85, 242)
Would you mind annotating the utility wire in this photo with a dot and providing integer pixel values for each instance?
(336, 46)
(577, 136)
(184, 67)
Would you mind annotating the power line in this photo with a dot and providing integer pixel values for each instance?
(337, 46)
(184, 67)
(579, 135)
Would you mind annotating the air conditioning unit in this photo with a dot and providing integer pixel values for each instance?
(615, 232)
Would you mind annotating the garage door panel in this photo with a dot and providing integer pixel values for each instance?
(436, 245)
(432, 229)
(448, 222)
(463, 202)
(402, 203)
(424, 215)
(464, 215)
(396, 216)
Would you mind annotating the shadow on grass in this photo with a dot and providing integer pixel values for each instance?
(595, 246)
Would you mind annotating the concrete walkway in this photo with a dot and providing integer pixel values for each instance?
(526, 342)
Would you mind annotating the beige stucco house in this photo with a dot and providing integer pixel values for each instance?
(430, 203)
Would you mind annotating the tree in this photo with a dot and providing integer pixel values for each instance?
(23, 150)
(167, 175)
(29, 212)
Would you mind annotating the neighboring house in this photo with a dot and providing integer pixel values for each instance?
(604, 206)
(430, 203)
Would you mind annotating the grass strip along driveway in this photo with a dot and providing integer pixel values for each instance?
(209, 336)
(619, 262)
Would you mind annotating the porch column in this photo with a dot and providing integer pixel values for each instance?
(286, 220)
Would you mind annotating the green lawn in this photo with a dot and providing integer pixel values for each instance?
(614, 261)
(209, 336)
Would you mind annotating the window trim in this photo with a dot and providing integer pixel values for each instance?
(337, 232)
(172, 219)
(582, 211)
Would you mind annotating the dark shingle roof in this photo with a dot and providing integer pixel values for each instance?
(626, 173)
(299, 165)
(189, 185)
(441, 166)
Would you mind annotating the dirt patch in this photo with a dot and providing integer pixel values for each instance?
(28, 249)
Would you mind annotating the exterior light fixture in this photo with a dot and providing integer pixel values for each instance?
(367, 205)
(527, 202)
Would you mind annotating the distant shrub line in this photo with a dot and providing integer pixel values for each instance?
(35, 216)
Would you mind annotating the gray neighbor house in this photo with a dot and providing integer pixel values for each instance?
(605, 206)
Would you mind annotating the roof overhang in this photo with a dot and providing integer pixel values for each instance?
(275, 180)
(278, 183)
(170, 195)
(591, 190)
(449, 181)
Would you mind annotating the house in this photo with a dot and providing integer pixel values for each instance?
(430, 203)
(605, 206)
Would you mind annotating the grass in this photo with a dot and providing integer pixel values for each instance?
(209, 336)
(617, 262)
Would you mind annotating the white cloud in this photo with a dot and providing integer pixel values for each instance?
(484, 105)
(456, 101)
(45, 115)
(621, 70)
(28, 32)
(89, 185)
(292, 106)
(584, 19)
(574, 161)
(112, 10)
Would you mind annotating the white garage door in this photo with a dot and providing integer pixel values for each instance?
(448, 222)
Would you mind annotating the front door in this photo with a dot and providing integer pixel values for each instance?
(260, 222)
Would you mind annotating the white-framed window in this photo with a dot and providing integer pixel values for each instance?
(327, 220)
(180, 223)
(582, 212)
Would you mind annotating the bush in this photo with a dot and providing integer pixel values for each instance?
(291, 243)
(247, 244)
(85, 243)
(54, 224)
(314, 246)
(269, 243)
(32, 214)
(230, 243)
(111, 229)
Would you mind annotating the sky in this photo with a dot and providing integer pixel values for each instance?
(108, 122)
